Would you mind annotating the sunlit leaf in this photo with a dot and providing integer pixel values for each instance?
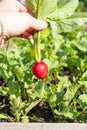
(82, 100)
(67, 25)
(65, 11)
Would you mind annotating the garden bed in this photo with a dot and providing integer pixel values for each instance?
(59, 96)
(52, 107)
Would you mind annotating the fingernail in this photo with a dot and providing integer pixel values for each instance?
(43, 24)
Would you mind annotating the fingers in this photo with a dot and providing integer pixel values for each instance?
(27, 35)
(38, 24)
(32, 25)
(21, 8)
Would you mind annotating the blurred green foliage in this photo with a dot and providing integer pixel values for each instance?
(82, 7)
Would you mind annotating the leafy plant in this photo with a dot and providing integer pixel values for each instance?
(65, 87)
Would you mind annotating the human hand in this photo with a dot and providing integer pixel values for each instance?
(18, 23)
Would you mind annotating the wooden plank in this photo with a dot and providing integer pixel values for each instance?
(43, 126)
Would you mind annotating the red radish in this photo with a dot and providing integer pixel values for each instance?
(40, 70)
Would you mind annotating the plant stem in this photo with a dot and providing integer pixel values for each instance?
(37, 46)
(4, 58)
(38, 10)
(42, 88)
(37, 37)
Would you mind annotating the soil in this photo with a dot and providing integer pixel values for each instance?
(41, 113)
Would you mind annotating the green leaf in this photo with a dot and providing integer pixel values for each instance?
(4, 116)
(14, 88)
(5, 73)
(19, 71)
(67, 25)
(70, 93)
(55, 98)
(25, 119)
(44, 33)
(45, 7)
(3, 91)
(83, 79)
(31, 105)
(63, 83)
(51, 63)
(82, 45)
(67, 112)
(16, 104)
(64, 12)
(74, 62)
(82, 100)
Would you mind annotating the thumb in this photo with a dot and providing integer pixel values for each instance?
(38, 24)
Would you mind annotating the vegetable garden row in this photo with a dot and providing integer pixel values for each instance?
(59, 51)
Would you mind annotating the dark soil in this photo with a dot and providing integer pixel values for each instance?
(2, 82)
(41, 113)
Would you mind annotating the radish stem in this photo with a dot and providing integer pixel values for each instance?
(42, 87)
(37, 37)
